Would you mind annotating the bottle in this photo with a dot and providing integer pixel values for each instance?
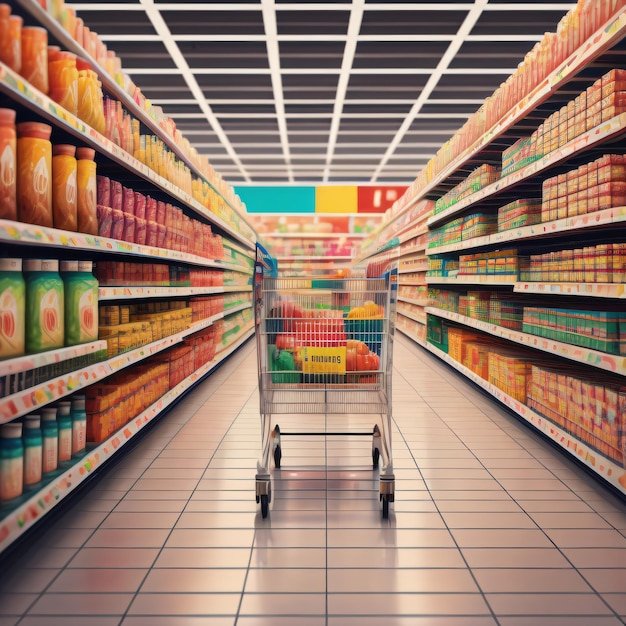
(35, 57)
(87, 191)
(64, 423)
(44, 305)
(81, 302)
(8, 158)
(50, 432)
(63, 79)
(10, 38)
(34, 173)
(90, 98)
(12, 308)
(79, 425)
(64, 187)
(11, 461)
(33, 450)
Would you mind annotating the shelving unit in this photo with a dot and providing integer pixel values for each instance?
(21, 240)
(596, 56)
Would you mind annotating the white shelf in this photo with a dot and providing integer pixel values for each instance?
(413, 270)
(110, 86)
(605, 468)
(418, 340)
(325, 236)
(14, 85)
(606, 217)
(593, 290)
(479, 279)
(122, 292)
(600, 41)
(415, 318)
(308, 259)
(41, 502)
(33, 361)
(29, 234)
(423, 303)
(30, 399)
(594, 358)
(607, 130)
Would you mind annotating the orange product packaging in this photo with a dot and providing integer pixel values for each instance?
(8, 158)
(86, 178)
(10, 38)
(64, 189)
(35, 57)
(63, 79)
(90, 104)
(34, 173)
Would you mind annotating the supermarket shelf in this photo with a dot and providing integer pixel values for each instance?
(605, 217)
(470, 280)
(418, 340)
(279, 235)
(29, 399)
(111, 87)
(33, 361)
(42, 501)
(115, 293)
(607, 130)
(308, 259)
(411, 301)
(416, 318)
(593, 290)
(14, 85)
(413, 270)
(594, 358)
(605, 468)
(600, 41)
(29, 234)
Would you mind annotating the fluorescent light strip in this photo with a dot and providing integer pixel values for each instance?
(162, 29)
(468, 24)
(273, 58)
(304, 71)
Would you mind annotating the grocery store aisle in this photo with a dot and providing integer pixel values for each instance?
(490, 526)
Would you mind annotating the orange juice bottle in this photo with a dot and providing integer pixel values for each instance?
(10, 38)
(87, 191)
(34, 173)
(35, 57)
(63, 79)
(8, 147)
(90, 99)
(64, 187)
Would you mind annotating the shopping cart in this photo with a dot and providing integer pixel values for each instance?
(324, 347)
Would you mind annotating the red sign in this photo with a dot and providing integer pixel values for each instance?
(378, 199)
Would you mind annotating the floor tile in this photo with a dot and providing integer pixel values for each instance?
(178, 580)
(294, 604)
(543, 604)
(545, 580)
(269, 581)
(98, 581)
(183, 604)
(84, 604)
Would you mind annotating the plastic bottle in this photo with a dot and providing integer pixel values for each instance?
(50, 432)
(8, 164)
(12, 308)
(11, 461)
(10, 38)
(44, 305)
(64, 187)
(63, 79)
(34, 173)
(33, 450)
(87, 191)
(90, 98)
(81, 302)
(35, 57)
(79, 425)
(64, 423)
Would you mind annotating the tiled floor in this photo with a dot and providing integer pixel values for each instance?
(490, 525)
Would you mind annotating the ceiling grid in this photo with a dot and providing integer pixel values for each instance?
(337, 92)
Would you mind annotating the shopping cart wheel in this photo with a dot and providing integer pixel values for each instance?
(265, 501)
(385, 507)
(278, 455)
(375, 457)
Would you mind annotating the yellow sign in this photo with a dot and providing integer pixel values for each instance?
(324, 360)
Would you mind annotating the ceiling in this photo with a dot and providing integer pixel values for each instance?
(339, 92)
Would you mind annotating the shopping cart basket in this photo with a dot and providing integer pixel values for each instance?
(324, 347)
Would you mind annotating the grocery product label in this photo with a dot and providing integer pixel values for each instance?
(40, 177)
(324, 360)
(7, 166)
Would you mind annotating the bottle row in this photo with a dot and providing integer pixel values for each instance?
(71, 82)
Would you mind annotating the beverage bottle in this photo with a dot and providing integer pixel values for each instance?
(11, 461)
(64, 423)
(87, 191)
(50, 432)
(35, 57)
(8, 158)
(44, 305)
(81, 302)
(64, 187)
(33, 450)
(34, 173)
(63, 80)
(79, 425)
(12, 308)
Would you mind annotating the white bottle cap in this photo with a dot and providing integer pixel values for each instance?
(10, 265)
(32, 265)
(32, 421)
(69, 266)
(85, 266)
(50, 265)
(48, 413)
(12, 430)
